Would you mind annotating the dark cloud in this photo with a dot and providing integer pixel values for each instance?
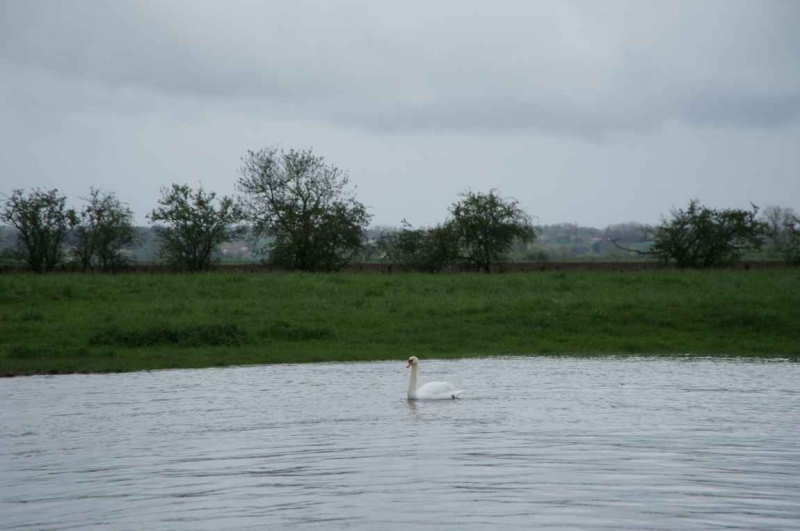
(566, 67)
(587, 111)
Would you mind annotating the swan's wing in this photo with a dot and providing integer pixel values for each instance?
(438, 390)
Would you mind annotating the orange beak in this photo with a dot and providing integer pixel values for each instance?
(409, 364)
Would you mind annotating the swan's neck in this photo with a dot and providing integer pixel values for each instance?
(412, 383)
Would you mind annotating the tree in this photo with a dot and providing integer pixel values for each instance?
(791, 249)
(104, 229)
(429, 250)
(196, 226)
(701, 237)
(305, 207)
(43, 222)
(781, 225)
(487, 226)
(8, 257)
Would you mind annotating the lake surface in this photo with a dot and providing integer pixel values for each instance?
(536, 443)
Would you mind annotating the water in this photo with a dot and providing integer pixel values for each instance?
(536, 443)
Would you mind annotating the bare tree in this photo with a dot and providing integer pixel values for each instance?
(791, 253)
(628, 232)
(780, 223)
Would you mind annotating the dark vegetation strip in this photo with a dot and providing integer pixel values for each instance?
(161, 334)
(369, 267)
(112, 323)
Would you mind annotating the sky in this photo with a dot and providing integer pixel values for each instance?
(586, 112)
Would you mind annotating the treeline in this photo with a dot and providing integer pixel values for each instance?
(297, 212)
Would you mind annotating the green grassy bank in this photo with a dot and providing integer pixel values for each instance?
(96, 323)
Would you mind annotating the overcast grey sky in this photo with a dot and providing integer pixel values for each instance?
(593, 112)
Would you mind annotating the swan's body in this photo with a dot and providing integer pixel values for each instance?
(431, 390)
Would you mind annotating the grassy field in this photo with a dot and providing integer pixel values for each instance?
(96, 323)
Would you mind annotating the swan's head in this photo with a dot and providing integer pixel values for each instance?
(412, 361)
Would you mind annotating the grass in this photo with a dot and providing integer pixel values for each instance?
(95, 323)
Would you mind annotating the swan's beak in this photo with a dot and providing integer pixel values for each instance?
(409, 364)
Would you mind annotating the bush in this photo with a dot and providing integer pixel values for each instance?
(186, 336)
(426, 250)
(282, 330)
(700, 237)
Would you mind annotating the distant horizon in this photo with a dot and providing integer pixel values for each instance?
(141, 221)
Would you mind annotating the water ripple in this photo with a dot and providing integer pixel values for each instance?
(537, 443)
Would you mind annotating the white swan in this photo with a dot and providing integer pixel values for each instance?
(431, 390)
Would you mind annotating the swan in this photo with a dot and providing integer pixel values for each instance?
(431, 390)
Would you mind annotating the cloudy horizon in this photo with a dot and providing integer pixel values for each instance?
(586, 112)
